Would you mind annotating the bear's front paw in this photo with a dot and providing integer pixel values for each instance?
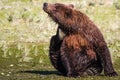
(112, 74)
(69, 74)
(72, 75)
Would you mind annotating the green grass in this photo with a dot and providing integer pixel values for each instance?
(25, 31)
(13, 69)
(30, 61)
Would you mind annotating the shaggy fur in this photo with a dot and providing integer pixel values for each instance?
(83, 50)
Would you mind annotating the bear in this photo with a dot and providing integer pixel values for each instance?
(78, 48)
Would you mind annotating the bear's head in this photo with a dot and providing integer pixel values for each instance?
(69, 19)
(59, 12)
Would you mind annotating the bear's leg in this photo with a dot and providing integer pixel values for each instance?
(65, 59)
(87, 66)
(69, 60)
(106, 60)
(66, 65)
(54, 53)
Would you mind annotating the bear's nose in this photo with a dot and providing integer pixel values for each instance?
(45, 4)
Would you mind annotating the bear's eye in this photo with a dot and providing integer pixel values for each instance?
(68, 13)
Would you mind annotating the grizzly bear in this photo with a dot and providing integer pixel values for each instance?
(78, 48)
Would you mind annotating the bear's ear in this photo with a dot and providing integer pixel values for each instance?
(71, 5)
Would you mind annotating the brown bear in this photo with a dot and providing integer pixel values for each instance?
(78, 48)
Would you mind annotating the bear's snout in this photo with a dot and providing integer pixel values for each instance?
(45, 4)
(48, 8)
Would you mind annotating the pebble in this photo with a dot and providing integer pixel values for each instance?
(2, 73)
(11, 65)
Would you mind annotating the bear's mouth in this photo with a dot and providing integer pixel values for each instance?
(48, 9)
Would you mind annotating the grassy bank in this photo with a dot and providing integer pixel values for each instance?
(25, 31)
